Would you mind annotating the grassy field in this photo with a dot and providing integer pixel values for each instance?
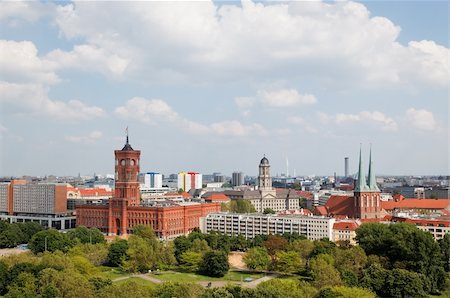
(111, 272)
(136, 280)
(192, 277)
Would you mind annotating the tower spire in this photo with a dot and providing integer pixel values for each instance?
(372, 180)
(361, 184)
(126, 131)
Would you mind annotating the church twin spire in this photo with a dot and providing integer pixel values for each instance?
(361, 183)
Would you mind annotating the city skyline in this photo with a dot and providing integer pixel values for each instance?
(213, 86)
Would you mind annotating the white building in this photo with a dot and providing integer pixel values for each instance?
(151, 180)
(189, 180)
(250, 225)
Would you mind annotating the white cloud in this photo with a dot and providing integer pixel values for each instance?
(13, 12)
(421, 119)
(375, 118)
(285, 98)
(244, 102)
(19, 63)
(154, 111)
(236, 129)
(147, 110)
(226, 40)
(88, 57)
(33, 99)
(92, 137)
(296, 120)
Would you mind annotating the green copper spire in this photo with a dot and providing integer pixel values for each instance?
(372, 180)
(361, 184)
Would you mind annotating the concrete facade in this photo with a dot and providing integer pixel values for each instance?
(250, 225)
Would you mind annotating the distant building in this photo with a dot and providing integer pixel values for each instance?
(237, 179)
(250, 225)
(189, 180)
(151, 180)
(218, 177)
(42, 203)
(277, 199)
(346, 167)
(345, 230)
(365, 202)
(82, 196)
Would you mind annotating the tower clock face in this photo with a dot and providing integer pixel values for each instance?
(122, 162)
(132, 162)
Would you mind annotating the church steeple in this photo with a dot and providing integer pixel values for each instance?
(372, 180)
(361, 184)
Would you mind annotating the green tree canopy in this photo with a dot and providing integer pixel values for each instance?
(117, 252)
(288, 262)
(50, 240)
(86, 235)
(257, 258)
(323, 272)
(191, 261)
(269, 211)
(406, 247)
(215, 263)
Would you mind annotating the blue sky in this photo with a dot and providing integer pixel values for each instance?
(212, 86)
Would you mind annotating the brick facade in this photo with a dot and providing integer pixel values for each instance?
(123, 212)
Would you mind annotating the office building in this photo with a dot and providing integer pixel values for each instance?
(30, 202)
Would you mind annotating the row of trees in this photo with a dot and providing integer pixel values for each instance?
(392, 260)
(13, 234)
(52, 240)
(143, 252)
(72, 275)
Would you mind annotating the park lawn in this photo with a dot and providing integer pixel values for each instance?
(137, 280)
(111, 272)
(193, 277)
(445, 294)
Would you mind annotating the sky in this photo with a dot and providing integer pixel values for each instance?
(214, 86)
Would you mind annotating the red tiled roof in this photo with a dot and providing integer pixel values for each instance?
(172, 194)
(217, 197)
(94, 192)
(423, 222)
(186, 195)
(320, 210)
(416, 204)
(340, 205)
(398, 197)
(345, 225)
(305, 194)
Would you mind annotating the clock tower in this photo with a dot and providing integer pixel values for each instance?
(126, 191)
(127, 174)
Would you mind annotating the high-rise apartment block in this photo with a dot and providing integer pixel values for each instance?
(189, 180)
(237, 179)
(151, 180)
